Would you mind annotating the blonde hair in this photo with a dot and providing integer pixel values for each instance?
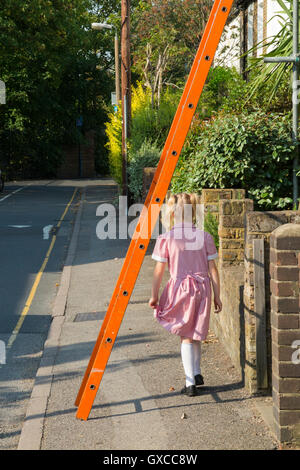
(174, 209)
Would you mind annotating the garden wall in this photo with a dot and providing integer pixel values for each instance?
(259, 225)
(210, 198)
(236, 327)
(229, 325)
(285, 323)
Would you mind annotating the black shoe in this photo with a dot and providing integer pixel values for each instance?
(199, 380)
(190, 391)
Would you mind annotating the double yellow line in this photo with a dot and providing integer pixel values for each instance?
(32, 293)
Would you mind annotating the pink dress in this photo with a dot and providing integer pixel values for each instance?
(184, 305)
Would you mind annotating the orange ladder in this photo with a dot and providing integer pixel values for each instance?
(149, 215)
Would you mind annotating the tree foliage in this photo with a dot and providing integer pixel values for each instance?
(165, 39)
(150, 126)
(48, 62)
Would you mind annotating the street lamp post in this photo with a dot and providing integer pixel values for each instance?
(99, 26)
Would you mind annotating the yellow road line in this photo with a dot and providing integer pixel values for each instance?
(37, 280)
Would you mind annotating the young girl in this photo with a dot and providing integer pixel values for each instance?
(184, 306)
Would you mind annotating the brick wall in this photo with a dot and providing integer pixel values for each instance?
(285, 323)
(210, 198)
(259, 225)
(239, 225)
(229, 325)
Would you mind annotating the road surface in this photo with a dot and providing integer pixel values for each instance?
(36, 220)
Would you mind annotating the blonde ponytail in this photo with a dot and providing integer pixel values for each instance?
(173, 212)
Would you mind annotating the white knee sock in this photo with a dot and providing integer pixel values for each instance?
(187, 356)
(197, 357)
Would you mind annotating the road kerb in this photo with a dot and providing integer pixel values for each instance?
(61, 298)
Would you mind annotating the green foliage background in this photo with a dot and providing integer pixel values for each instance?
(147, 156)
(56, 69)
(247, 150)
(149, 129)
(48, 63)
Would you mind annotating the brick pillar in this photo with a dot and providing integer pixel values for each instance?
(285, 323)
(210, 198)
(229, 325)
(232, 229)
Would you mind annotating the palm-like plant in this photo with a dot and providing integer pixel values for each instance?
(279, 45)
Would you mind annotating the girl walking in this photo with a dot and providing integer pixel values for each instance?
(184, 306)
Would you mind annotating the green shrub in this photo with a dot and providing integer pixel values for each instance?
(211, 226)
(148, 124)
(252, 151)
(151, 124)
(149, 130)
(224, 89)
(114, 144)
(147, 156)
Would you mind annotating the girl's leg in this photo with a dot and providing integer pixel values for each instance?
(187, 356)
(197, 357)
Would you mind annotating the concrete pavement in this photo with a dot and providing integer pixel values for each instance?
(138, 405)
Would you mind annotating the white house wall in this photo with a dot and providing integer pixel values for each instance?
(273, 25)
(260, 24)
(228, 52)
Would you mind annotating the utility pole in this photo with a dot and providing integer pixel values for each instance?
(294, 59)
(117, 68)
(126, 86)
(295, 98)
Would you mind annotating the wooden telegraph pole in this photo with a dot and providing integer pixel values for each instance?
(126, 86)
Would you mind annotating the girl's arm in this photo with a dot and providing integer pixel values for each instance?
(157, 278)
(214, 275)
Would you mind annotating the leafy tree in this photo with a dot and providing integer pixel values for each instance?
(48, 62)
(150, 127)
(165, 39)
